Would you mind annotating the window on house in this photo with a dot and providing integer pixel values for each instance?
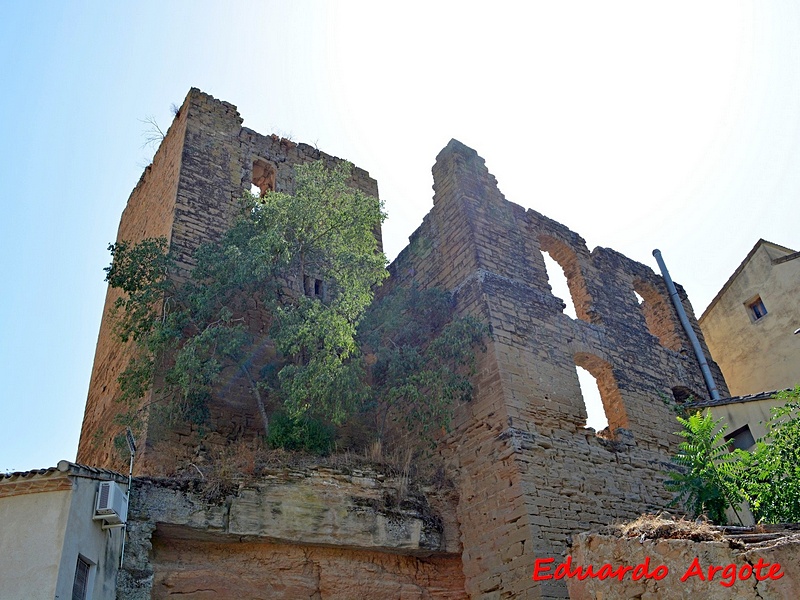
(742, 439)
(756, 308)
(80, 587)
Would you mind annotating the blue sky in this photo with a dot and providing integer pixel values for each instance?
(672, 125)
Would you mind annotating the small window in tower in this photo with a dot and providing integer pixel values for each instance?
(313, 287)
(756, 308)
(742, 439)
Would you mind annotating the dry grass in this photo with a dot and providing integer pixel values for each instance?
(217, 471)
(663, 526)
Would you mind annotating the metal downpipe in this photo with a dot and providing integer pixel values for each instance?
(687, 327)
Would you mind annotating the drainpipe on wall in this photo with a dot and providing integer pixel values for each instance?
(132, 448)
(687, 327)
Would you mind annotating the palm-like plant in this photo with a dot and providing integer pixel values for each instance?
(706, 483)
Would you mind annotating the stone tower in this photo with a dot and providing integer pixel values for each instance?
(189, 195)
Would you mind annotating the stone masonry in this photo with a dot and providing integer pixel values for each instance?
(528, 472)
(189, 195)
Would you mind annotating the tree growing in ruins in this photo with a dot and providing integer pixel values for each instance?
(305, 264)
(768, 478)
(302, 269)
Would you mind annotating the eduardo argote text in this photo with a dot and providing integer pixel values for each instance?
(726, 575)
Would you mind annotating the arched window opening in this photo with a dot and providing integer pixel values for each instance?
(595, 413)
(683, 394)
(611, 403)
(263, 178)
(558, 284)
(658, 314)
(565, 277)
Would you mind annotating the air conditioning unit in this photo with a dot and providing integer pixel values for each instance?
(112, 505)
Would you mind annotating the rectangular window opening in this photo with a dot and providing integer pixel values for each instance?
(742, 439)
(80, 587)
(313, 287)
(756, 308)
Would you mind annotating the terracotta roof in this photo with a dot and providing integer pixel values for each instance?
(64, 466)
(734, 399)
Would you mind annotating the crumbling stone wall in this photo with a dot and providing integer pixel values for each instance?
(529, 473)
(189, 195)
(300, 533)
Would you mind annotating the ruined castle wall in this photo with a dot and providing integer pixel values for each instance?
(529, 472)
(190, 195)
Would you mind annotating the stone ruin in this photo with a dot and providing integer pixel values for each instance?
(527, 472)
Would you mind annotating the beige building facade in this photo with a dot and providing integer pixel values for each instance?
(51, 547)
(749, 326)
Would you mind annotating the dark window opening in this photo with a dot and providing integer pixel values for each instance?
(742, 439)
(683, 394)
(80, 587)
(756, 308)
(312, 287)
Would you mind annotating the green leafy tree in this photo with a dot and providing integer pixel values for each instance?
(771, 473)
(421, 359)
(302, 266)
(707, 482)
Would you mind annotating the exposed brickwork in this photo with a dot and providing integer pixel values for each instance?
(286, 572)
(18, 488)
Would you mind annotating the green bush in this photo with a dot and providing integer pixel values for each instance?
(302, 433)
